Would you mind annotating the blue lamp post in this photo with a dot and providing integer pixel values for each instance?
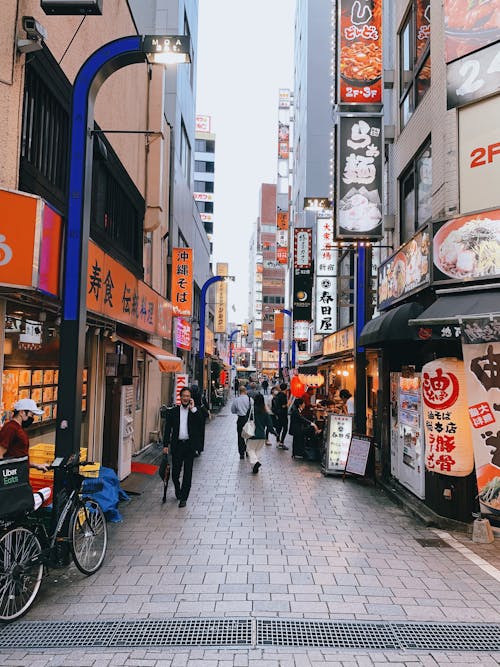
(203, 303)
(233, 333)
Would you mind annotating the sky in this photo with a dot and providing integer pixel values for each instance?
(245, 55)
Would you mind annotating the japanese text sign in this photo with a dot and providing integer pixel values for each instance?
(326, 305)
(481, 352)
(116, 293)
(182, 281)
(30, 242)
(279, 324)
(302, 243)
(473, 77)
(447, 434)
(222, 269)
(360, 52)
(359, 191)
(183, 334)
(325, 277)
(339, 433)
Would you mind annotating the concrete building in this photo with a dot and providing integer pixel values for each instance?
(204, 174)
(126, 280)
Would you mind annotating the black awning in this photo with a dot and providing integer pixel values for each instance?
(310, 363)
(450, 307)
(391, 326)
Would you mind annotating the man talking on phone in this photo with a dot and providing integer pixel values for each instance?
(181, 438)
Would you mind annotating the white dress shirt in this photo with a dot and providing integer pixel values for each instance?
(183, 424)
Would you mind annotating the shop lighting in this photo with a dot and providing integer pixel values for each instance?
(167, 49)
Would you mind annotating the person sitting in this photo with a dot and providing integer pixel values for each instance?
(300, 428)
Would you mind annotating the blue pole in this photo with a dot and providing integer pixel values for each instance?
(293, 353)
(231, 345)
(96, 69)
(203, 303)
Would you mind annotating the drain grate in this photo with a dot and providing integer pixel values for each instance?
(323, 634)
(251, 632)
(435, 542)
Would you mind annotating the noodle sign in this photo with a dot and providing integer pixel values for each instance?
(448, 440)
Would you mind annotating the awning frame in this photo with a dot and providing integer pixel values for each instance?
(167, 362)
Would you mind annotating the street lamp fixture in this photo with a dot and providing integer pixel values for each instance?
(203, 303)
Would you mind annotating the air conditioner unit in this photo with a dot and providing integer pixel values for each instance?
(71, 7)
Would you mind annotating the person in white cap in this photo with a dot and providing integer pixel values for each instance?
(14, 441)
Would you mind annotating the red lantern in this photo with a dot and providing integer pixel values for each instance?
(297, 388)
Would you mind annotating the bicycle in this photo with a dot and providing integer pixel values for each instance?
(27, 548)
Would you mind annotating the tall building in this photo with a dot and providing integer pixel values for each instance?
(268, 283)
(204, 174)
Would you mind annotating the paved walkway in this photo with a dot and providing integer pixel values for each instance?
(287, 542)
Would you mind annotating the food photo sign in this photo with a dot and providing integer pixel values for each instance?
(469, 25)
(359, 191)
(406, 271)
(360, 52)
(467, 248)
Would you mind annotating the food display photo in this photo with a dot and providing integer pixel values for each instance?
(469, 25)
(468, 247)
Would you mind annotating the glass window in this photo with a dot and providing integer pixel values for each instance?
(414, 58)
(416, 193)
(185, 154)
(199, 166)
(199, 145)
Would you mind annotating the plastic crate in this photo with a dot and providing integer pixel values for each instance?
(45, 453)
(91, 470)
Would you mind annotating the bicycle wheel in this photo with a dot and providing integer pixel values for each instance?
(89, 536)
(21, 571)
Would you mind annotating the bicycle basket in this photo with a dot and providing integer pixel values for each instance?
(16, 494)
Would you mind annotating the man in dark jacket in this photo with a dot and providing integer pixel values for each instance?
(280, 409)
(181, 438)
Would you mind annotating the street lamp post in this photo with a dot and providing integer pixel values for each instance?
(285, 311)
(233, 333)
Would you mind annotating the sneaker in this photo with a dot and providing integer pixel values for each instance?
(256, 467)
(283, 446)
(182, 503)
(268, 443)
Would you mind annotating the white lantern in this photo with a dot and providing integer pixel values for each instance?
(448, 442)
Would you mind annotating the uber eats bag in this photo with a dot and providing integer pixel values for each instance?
(16, 494)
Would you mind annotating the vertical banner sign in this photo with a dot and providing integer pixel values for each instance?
(448, 443)
(279, 326)
(325, 277)
(359, 191)
(182, 281)
(302, 247)
(481, 351)
(283, 177)
(360, 52)
(181, 380)
(221, 299)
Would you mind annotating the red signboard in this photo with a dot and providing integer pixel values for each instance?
(183, 334)
(360, 52)
(182, 281)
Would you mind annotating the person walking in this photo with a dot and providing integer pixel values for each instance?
(265, 385)
(236, 386)
(253, 390)
(241, 407)
(201, 404)
(280, 409)
(263, 422)
(14, 441)
(181, 438)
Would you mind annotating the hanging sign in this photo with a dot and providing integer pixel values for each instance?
(447, 436)
(181, 381)
(302, 248)
(359, 190)
(360, 52)
(182, 281)
(481, 351)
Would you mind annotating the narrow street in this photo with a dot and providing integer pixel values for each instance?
(288, 543)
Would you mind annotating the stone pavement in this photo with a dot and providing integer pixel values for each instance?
(287, 542)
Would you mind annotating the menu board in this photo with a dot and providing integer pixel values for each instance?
(38, 384)
(338, 433)
(357, 456)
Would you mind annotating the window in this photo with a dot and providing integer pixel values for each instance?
(199, 145)
(414, 58)
(185, 153)
(203, 186)
(415, 193)
(204, 167)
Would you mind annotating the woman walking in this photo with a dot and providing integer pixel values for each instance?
(263, 421)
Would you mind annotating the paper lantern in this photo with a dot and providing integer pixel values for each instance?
(312, 380)
(448, 442)
(297, 388)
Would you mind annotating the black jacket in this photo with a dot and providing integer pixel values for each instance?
(172, 425)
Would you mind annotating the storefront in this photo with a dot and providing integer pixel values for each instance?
(121, 388)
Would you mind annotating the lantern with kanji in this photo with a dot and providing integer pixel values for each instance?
(448, 443)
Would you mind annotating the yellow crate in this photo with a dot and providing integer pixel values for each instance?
(44, 453)
(90, 470)
(40, 475)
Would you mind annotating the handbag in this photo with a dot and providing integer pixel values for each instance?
(248, 430)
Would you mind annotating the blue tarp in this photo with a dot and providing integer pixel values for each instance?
(110, 494)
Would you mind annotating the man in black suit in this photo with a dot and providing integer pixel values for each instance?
(182, 437)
